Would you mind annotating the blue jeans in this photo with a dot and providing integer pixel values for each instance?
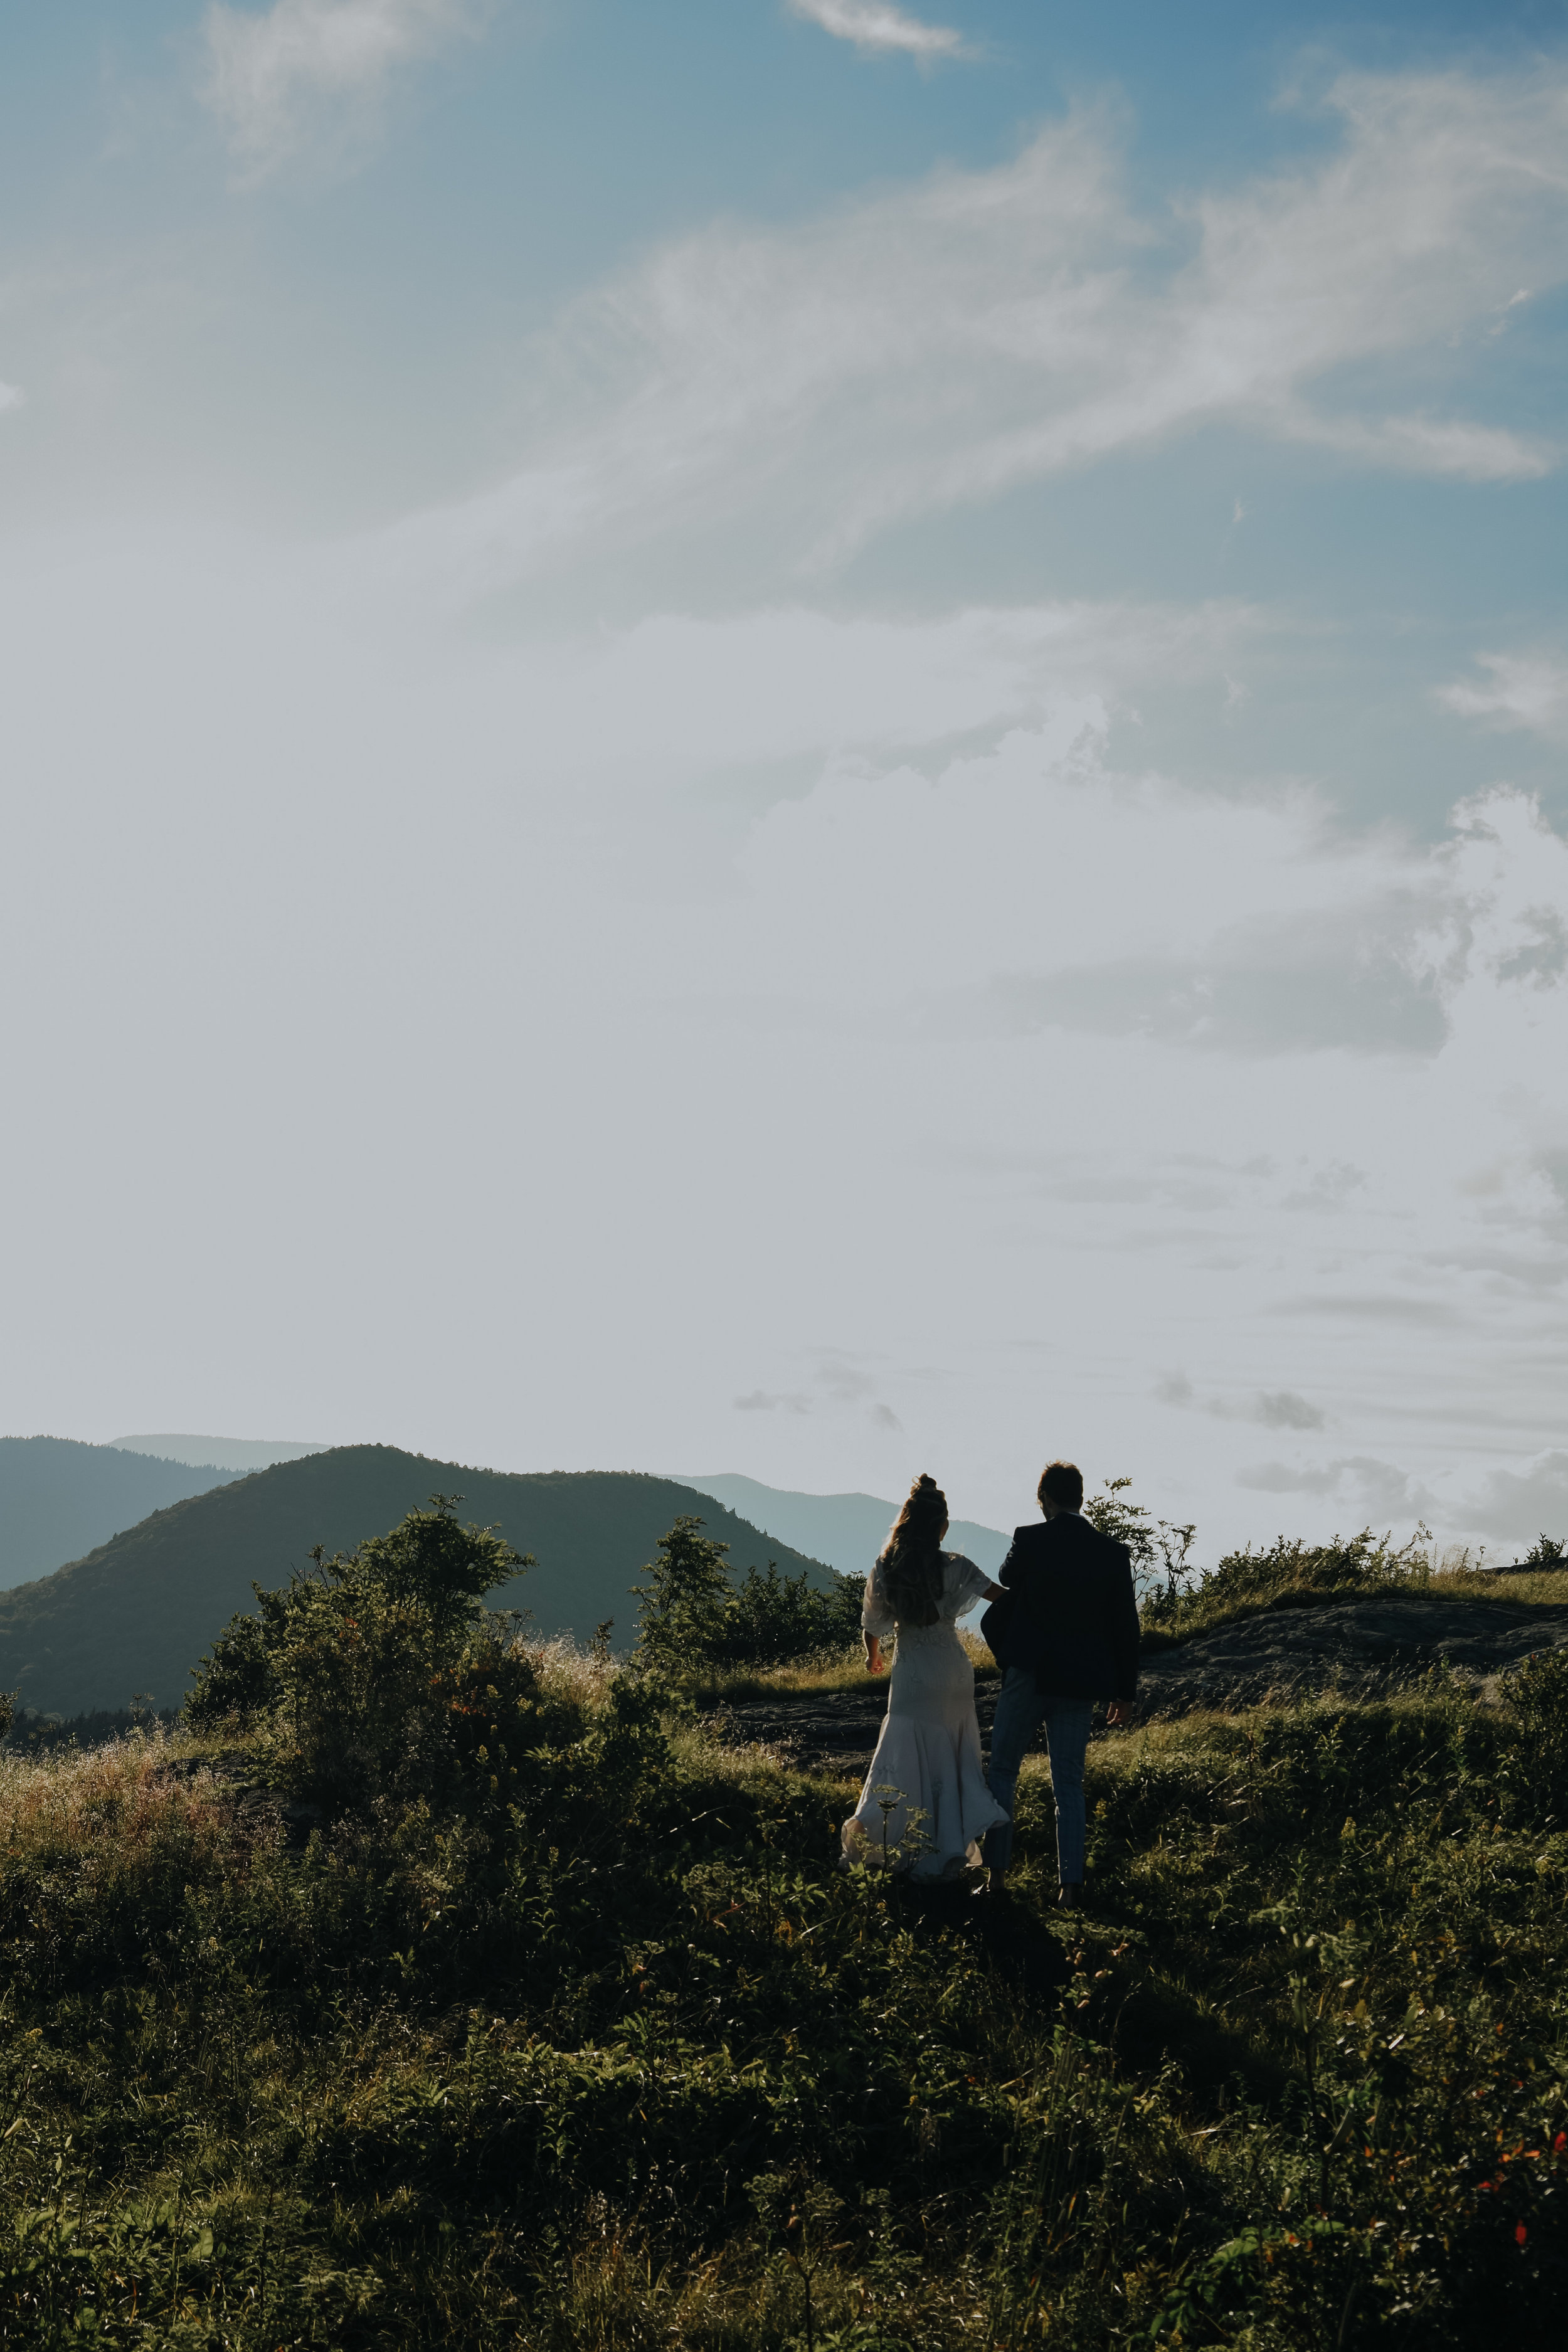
(1020, 1711)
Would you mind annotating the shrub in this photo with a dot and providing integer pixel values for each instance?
(1289, 1574)
(351, 1661)
(1537, 1694)
(1158, 1547)
(685, 1607)
(692, 1617)
(779, 1618)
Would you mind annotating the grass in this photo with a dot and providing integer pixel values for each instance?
(1291, 1575)
(624, 2062)
(1531, 1587)
(816, 1677)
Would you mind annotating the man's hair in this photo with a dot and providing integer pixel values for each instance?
(1062, 1483)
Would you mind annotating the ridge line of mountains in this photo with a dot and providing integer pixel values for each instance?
(132, 1614)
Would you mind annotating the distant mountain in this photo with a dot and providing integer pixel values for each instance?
(135, 1614)
(58, 1497)
(846, 1531)
(235, 1453)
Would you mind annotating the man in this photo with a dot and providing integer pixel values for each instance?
(1066, 1636)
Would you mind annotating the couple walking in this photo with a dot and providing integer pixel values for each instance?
(1063, 1627)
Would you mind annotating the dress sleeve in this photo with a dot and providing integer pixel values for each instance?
(876, 1617)
(963, 1582)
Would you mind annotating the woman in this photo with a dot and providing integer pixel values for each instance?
(928, 1756)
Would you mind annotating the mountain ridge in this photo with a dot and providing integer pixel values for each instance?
(135, 1614)
(847, 1530)
(61, 1496)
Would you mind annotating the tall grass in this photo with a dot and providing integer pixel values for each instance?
(619, 2059)
(818, 1677)
(1290, 1574)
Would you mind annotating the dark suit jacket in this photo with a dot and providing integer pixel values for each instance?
(1074, 1619)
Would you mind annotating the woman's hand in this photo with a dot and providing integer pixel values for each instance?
(993, 1591)
(873, 1652)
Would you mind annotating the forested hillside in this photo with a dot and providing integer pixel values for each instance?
(846, 1531)
(58, 1497)
(135, 1614)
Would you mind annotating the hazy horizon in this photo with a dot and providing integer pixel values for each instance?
(819, 737)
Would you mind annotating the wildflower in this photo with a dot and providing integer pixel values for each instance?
(1519, 2234)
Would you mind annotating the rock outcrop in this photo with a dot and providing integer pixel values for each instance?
(1361, 1648)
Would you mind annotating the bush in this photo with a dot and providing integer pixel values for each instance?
(1289, 1574)
(353, 1663)
(1537, 1695)
(693, 1618)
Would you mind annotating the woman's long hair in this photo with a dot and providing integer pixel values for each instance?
(911, 1557)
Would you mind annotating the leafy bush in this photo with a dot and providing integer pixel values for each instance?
(1289, 1574)
(1537, 1694)
(692, 1617)
(355, 1664)
(570, 2037)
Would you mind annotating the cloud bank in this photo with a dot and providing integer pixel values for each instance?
(876, 26)
(791, 392)
(1527, 690)
(316, 71)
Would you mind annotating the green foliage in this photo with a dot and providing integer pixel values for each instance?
(1287, 1574)
(235, 1682)
(358, 1666)
(779, 1618)
(134, 1614)
(572, 2038)
(692, 1617)
(1546, 1552)
(1537, 1694)
(685, 1606)
(1158, 1548)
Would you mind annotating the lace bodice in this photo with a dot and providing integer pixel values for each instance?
(961, 1584)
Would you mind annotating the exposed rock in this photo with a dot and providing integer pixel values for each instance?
(1360, 1647)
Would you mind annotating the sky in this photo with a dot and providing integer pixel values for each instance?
(799, 737)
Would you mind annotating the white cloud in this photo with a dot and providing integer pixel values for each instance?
(874, 25)
(1274, 1407)
(11, 396)
(1423, 445)
(784, 393)
(1526, 690)
(1520, 1504)
(545, 871)
(306, 69)
(1358, 1482)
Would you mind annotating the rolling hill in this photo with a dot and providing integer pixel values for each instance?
(135, 1614)
(59, 1497)
(846, 1531)
(236, 1454)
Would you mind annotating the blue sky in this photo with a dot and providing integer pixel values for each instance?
(804, 735)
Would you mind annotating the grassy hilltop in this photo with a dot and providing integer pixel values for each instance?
(135, 1614)
(440, 1990)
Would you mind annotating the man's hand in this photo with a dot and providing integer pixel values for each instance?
(1120, 1713)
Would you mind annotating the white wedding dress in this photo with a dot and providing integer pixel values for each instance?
(928, 1756)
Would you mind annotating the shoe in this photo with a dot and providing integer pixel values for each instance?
(1070, 1898)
